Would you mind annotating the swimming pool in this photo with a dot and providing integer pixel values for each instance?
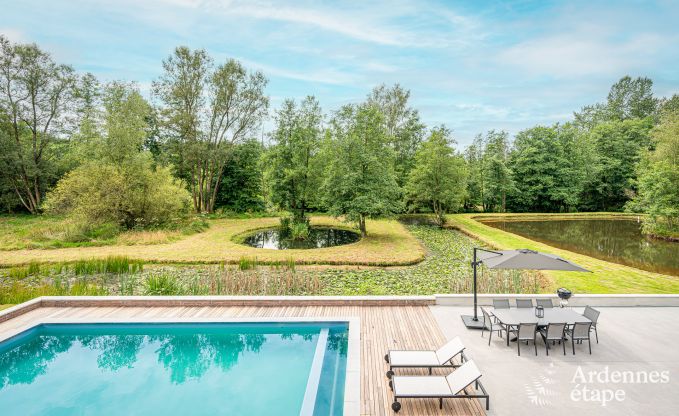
(237, 368)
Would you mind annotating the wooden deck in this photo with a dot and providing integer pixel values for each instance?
(382, 328)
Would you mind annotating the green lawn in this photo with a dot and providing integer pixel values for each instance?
(387, 244)
(606, 277)
(446, 269)
(5, 306)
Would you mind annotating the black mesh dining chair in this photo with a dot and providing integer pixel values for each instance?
(501, 303)
(545, 303)
(524, 303)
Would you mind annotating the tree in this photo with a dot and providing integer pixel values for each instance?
(35, 93)
(438, 180)
(360, 181)
(473, 155)
(119, 183)
(546, 169)
(618, 146)
(627, 99)
(403, 126)
(658, 180)
(207, 110)
(241, 188)
(291, 173)
(490, 179)
(498, 177)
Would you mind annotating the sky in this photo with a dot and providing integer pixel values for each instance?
(470, 65)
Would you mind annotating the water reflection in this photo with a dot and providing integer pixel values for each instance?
(184, 356)
(618, 241)
(319, 237)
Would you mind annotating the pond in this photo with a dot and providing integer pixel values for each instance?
(615, 240)
(319, 237)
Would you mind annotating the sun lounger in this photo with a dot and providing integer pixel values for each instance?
(443, 357)
(452, 386)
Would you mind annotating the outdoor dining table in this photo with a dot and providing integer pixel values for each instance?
(515, 316)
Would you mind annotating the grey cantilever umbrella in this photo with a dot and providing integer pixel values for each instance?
(522, 259)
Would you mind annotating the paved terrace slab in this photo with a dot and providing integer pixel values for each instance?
(640, 340)
(382, 328)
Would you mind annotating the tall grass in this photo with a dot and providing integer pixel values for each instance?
(111, 264)
(161, 284)
(260, 282)
(247, 263)
(18, 292)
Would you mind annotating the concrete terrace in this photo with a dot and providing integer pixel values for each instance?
(640, 340)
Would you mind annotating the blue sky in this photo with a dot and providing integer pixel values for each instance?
(472, 65)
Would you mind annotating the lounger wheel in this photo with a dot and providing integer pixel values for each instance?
(396, 406)
(386, 358)
(390, 374)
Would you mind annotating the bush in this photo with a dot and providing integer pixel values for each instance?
(161, 285)
(300, 231)
(132, 195)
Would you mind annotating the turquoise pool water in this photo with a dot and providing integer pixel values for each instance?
(175, 369)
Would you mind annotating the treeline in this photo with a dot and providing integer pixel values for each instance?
(102, 153)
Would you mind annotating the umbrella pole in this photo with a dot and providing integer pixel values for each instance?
(476, 316)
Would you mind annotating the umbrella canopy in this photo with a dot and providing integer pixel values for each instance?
(526, 260)
(523, 259)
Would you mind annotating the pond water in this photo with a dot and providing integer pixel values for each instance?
(319, 237)
(615, 240)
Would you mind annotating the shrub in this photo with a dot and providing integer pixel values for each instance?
(161, 285)
(131, 195)
(300, 231)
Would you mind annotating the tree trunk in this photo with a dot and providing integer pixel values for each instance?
(361, 225)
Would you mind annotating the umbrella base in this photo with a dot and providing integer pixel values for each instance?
(470, 323)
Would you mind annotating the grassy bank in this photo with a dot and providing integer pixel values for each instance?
(388, 243)
(18, 232)
(606, 277)
(446, 269)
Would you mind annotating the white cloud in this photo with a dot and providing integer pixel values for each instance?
(581, 53)
(323, 76)
(13, 35)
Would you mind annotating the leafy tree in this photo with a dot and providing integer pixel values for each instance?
(546, 170)
(670, 105)
(35, 93)
(207, 110)
(241, 188)
(119, 183)
(438, 180)
(360, 181)
(627, 99)
(473, 156)
(658, 183)
(498, 176)
(291, 173)
(403, 126)
(618, 146)
(490, 178)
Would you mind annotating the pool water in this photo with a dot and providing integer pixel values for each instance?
(175, 369)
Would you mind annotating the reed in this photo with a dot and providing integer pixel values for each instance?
(161, 284)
